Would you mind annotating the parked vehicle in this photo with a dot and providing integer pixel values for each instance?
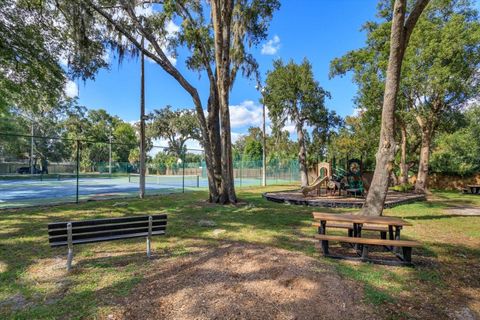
(27, 170)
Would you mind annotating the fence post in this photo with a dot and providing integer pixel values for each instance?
(183, 172)
(32, 166)
(78, 169)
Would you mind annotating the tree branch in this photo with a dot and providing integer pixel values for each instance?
(413, 17)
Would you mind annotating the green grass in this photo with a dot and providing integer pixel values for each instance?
(32, 274)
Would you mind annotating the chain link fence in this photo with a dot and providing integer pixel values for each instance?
(37, 170)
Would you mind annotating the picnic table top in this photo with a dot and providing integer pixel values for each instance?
(473, 185)
(390, 221)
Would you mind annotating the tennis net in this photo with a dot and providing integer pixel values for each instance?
(167, 180)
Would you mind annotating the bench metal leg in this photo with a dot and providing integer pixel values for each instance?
(70, 246)
(148, 248)
(69, 259)
(150, 221)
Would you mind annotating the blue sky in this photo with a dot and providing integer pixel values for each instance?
(317, 29)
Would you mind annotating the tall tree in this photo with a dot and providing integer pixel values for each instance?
(218, 36)
(401, 31)
(176, 126)
(30, 75)
(441, 74)
(401, 27)
(292, 94)
(458, 153)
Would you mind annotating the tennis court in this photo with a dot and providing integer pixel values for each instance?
(20, 191)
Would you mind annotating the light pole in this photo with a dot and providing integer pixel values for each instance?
(142, 125)
(264, 144)
(31, 151)
(110, 154)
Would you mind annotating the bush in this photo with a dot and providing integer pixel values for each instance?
(403, 187)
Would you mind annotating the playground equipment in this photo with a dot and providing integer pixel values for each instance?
(332, 179)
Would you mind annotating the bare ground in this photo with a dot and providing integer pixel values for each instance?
(244, 281)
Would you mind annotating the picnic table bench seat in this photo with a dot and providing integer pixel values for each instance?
(99, 230)
(405, 245)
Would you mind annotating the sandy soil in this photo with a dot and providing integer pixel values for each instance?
(243, 281)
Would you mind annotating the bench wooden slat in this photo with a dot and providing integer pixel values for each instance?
(110, 226)
(350, 226)
(108, 231)
(102, 239)
(61, 225)
(368, 241)
(88, 231)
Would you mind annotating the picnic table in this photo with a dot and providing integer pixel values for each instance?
(473, 188)
(358, 223)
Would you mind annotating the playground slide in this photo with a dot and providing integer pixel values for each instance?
(315, 184)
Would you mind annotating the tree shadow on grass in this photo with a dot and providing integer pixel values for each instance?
(24, 244)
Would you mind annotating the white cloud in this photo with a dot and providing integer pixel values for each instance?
(171, 28)
(63, 59)
(247, 113)
(71, 89)
(272, 46)
(143, 11)
(235, 136)
(290, 127)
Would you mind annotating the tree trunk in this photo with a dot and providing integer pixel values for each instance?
(386, 149)
(302, 156)
(222, 19)
(403, 156)
(214, 137)
(422, 175)
(400, 34)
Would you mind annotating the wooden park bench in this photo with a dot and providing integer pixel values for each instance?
(355, 225)
(99, 230)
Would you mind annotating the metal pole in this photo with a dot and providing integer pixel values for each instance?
(142, 126)
(70, 246)
(264, 152)
(110, 154)
(150, 222)
(78, 169)
(241, 170)
(183, 172)
(31, 149)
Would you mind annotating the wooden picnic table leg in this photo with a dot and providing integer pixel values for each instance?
(397, 237)
(357, 232)
(391, 235)
(322, 230)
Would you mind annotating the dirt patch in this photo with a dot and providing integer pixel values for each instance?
(242, 281)
(464, 211)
